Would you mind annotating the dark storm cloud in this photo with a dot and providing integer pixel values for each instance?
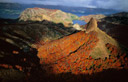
(111, 4)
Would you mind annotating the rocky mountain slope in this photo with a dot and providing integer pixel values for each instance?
(54, 15)
(82, 52)
(35, 31)
(67, 55)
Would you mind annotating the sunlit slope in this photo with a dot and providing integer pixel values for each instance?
(100, 51)
(54, 15)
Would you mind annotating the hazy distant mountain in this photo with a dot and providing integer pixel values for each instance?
(88, 17)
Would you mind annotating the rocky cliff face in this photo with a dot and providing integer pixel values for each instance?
(54, 15)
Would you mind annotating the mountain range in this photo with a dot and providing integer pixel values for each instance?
(36, 47)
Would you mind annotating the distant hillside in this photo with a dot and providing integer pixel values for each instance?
(54, 15)
(118, 18)
(88, 17)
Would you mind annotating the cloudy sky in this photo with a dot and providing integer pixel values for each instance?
(109, 4)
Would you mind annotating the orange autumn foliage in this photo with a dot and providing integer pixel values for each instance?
(6, 66)
(72, 54)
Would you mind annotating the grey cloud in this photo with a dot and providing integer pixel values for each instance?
(110, 4)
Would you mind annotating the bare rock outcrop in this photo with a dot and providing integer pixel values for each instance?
(91, 26)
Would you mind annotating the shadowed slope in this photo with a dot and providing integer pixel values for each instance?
(116, 25)
(36, 32)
